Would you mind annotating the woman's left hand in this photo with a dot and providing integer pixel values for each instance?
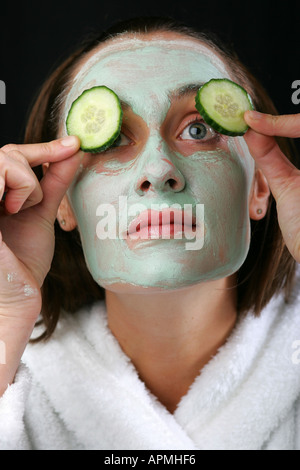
(283, 177)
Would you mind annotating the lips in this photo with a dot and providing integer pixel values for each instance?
(161, 224)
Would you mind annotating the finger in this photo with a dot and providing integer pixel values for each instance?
(37, 154)
(33, 198)
(285, 126)
(20, 183)
(270, 159)
(55, 183)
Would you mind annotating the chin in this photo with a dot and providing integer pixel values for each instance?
(132, 288)
(163, 276)
(169, 285)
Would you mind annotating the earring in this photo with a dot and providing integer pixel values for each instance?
(63, 222)
(259, 211)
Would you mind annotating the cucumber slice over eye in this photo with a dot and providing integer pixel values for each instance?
(222, 104)
(96, 118)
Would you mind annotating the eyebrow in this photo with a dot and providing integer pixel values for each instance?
(124, 105)
(186, 90)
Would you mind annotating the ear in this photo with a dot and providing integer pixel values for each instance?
(259, 197)
(65, 215)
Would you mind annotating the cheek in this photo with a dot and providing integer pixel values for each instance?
(86, 195)
(220, 182)
(91, 193)
(239, 150)
(214, 172)
(222, 188)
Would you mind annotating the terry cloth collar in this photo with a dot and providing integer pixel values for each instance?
(238, 400)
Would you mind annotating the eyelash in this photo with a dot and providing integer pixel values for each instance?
(214, 137)
(114, 146)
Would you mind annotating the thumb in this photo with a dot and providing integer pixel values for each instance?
(55, 183)
(270, 159)
(285, 125)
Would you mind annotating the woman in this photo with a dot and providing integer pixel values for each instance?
(174, 358)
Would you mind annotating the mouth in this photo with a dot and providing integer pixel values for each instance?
(167, 224)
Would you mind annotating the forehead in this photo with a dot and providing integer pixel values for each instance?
(143, 70)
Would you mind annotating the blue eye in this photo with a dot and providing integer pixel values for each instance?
(198, 131)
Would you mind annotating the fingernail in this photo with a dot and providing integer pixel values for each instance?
(69, 141)
(255, 115)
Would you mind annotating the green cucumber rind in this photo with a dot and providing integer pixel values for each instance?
(113, 138)
(209, 120)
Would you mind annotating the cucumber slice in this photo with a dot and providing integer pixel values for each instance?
(96, 118)
(222, 104)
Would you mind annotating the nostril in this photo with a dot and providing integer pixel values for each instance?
(172, 183)
(145, 186)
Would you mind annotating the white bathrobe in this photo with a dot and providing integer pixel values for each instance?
(80, 391)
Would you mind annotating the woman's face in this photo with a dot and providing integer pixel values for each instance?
(166, 157)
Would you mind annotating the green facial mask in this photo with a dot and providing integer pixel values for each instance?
(144, 74)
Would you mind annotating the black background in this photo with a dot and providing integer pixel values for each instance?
(36, 36)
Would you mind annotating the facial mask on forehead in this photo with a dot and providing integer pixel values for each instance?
(144, 74)
(154, 59)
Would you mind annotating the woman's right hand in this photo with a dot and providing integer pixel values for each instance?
(27, 216)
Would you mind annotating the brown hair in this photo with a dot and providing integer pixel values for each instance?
(268, 268)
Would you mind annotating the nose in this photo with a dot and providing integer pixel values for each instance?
(159, 173)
